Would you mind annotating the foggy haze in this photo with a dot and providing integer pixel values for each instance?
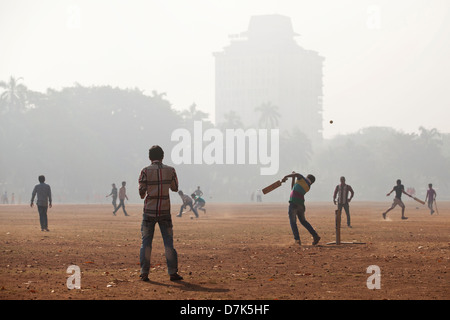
(106, 80)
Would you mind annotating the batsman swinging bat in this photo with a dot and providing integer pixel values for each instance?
(275, 185)
(272, 187)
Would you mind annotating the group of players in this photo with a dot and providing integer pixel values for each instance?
(157, 179)
(195, 202)
(342, 196)
(344, 193)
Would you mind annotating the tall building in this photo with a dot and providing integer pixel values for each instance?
(265, 65)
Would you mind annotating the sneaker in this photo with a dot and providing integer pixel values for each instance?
(432, 211)
(404, 218)
(114, 213)
(46, 230)
(175, 277)
(384, 215)
(316, 240)
(178, 215)
(298, 242)
(144, 277)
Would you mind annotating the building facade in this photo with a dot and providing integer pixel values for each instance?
(266, 66)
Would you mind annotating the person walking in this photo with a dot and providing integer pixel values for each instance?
(122, 197)
(431, 197)
(43, 201)
(342, 192)
(155, 181)
(113, 194)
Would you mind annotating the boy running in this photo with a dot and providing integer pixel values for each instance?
(199, 202)
(399, 189)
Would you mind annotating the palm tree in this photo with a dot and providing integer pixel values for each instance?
(430, 137)
(193, 114)
(232, 120)
(269, 117)
(14, 95)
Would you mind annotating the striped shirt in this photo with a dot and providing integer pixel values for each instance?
(155, 182)
(301, 187)
(342, 192)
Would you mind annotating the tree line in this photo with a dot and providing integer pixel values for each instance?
(83, 139)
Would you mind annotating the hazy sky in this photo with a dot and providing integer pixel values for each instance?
(387, 62)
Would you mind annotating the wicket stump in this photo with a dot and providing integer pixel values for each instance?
(338, 214)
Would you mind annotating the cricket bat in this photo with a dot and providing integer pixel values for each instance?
(418, 200)
(435, 204)
(275, 185)
(272, 187)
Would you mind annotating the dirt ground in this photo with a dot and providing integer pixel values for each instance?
(233, 252)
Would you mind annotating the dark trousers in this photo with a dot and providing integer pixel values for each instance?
(43, 217)
(114, 202)
(298, 211)
(121, 205)
(184, 207)
(147, 232)
(346, 209)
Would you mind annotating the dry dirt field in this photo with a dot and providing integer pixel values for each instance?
(233, 252)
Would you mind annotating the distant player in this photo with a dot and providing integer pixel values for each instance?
(187, 201)
(297, 205)
(342, 192)
(199, 202)
(399, 190)
(113, 194)
(198, 192)
(431, 197)
(258, 195)
(43, 202)
(122, 197)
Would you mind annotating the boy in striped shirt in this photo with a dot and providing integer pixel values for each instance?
(155, 181)
(342, 192)
(297, 205)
